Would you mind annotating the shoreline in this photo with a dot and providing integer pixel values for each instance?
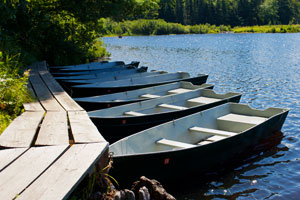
(213, 29)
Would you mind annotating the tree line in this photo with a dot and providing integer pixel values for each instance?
(228, 12)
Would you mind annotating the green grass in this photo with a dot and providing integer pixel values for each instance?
(13, 89)
(161, 27)
(268, 29)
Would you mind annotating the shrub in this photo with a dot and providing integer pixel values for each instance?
(13, 90)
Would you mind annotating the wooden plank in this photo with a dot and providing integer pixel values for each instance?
(54, 129)
(59, 93)
(21, 132)
(15, 178)
(46, 98)
(178, 91)
(212, 131)
(174, 107)
(243, 119)
(151, 96)
(33, 106)
(9, 155)
(215, 138)
(83, 129)
(132, 113)
(204, 100)
(174, 143)
(66, 173)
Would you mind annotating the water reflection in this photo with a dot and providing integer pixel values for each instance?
(265, 69)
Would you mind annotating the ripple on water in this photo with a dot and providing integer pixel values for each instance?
(265, 69)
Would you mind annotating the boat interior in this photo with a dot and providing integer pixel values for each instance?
(170, 103)
(188, 101)
(199, 129)
(118, 77)
(145, 80)
(147, 93)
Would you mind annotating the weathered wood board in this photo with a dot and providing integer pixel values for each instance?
(33, 106)
(54, 129)
(83, 129)
(21, 132)
(9, 155)
(21, 173)
(46, 98)
(58, 92)
(65, 174)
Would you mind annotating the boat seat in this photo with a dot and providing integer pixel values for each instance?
(132, 113)
(202, 100)
(212, 131)
(242, 119)
(151, 96)
(178, 91)
(174, 143)
(172, 106)
(211, 139)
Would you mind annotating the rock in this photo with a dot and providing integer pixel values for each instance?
(129, 195)
(119, 195)
(156, 190)
(144, 193)
(96, 195)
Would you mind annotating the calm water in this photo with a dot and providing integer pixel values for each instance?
(265, 68)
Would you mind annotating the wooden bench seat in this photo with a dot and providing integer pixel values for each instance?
(211, 139)
(174, 107)
(151, 96)
(212, 131)
(132, 113)
(174, 143)
(202, 100)
(178, 91)
(242, 119)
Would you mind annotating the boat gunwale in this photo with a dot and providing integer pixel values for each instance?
(284, 110)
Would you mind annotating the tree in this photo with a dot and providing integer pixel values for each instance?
(284, 11)
(58, 31)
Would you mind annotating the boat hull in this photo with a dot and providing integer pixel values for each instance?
(96, 105)
(113, 129)
(85, 92)
(193, 164)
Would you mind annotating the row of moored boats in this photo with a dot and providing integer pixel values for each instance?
(162, 124)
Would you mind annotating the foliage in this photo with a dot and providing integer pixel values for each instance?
(230, 12)
(157, 27)
(62, 32)
(13, 91)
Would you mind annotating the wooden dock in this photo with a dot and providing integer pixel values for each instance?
(51, 147)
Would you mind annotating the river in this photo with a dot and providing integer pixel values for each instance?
(265, 68)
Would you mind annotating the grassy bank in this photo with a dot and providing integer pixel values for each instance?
(161, 27)
(268, 29)
(13, 91)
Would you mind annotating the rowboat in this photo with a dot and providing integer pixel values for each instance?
(112, 78)
(97, 75)
(91, 66)
(94, 71)
(121, 98)
(121, 121)
(134, 83)
(196, 144)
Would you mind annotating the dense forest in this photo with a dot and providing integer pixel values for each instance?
(225, 12)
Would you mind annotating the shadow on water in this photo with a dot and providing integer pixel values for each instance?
(218, 184)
